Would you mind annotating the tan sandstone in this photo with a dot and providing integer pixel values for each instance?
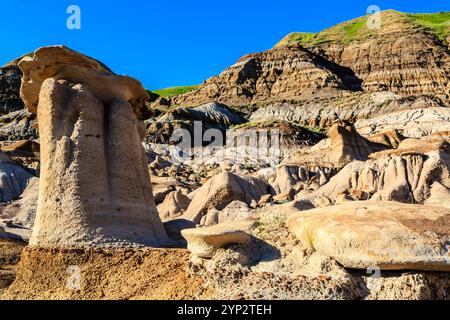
(221, 190)
(387, 235)
(95, 188)
(204, 242)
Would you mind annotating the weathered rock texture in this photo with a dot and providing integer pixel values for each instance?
(95, 188)
(414, 123)
(220, 191)
(314, 166)
(211, 116)
(347, 72)
(173, 205)
(22, 212)
(13, 179)
(344, 145)
(107, 275)
(387, 235)
(355, 106)
(210, 112)
(23, 148)
(416, 172)
(204, 242)
(9, 88)
(18, 125)
(402, 56)
(285, 73)
(59, 62)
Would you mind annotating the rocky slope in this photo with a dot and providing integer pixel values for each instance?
(319, 78)
(402, 56)
(278, 74)
(10, 76)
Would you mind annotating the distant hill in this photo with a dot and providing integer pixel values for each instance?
(174, 91)
(407, 55)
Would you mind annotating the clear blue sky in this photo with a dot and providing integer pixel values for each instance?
(175, 42)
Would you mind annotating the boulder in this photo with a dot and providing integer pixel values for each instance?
(204, 242)
(160, 163)
(162, 186)
(95, 187)
(439, 196)
(387, 235)
(235, 211)
(221, 190)
(285, 181)
(173, 206)
(22, 212)
(13, 179)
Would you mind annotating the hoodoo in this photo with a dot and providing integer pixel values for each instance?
(95, 188)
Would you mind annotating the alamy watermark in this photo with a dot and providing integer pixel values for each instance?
(234, 146)
(374, 20)
(73, 278)
(73, 22)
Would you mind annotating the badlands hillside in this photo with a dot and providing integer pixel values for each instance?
(350, 199)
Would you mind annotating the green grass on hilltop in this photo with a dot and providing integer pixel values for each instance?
(175, 91)
(437, 23)
(342, 33)
(353, 29)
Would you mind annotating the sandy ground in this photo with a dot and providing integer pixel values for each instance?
(275, 265)
(9, 258)
(151, 274)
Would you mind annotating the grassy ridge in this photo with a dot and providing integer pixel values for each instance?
(437, 24)
(175, 91)
(342, 33)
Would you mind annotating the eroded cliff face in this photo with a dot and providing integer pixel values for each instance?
(402, 57)
(287, 73)
(399, 57)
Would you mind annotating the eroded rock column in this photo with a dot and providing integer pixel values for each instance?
(95, 188)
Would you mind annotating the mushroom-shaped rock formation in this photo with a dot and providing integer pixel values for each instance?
(204, 242)
(95, 189)
(59, 62)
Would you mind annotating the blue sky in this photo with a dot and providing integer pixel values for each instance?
(175, 42)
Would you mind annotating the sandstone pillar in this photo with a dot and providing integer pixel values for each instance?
(95, 188)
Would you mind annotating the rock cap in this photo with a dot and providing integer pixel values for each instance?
(60, 62)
